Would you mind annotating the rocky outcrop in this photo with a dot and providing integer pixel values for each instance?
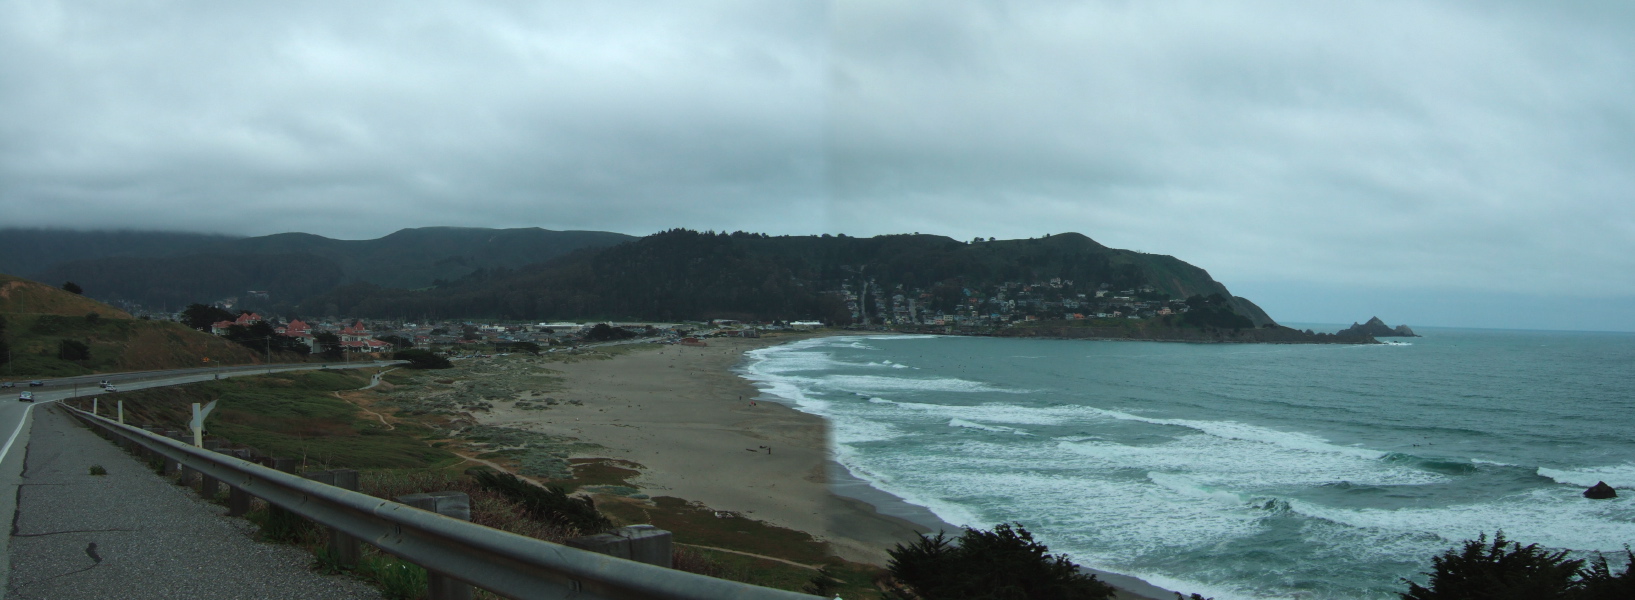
(1600, 491)
(1376, 328)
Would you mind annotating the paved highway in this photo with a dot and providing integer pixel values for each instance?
(15, 416)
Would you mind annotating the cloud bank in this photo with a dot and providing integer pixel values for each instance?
(1482, 148)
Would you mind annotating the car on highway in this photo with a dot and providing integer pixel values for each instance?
(111, 388)
(35, 383)
(104, 383)
(7, 384)
(25, 397)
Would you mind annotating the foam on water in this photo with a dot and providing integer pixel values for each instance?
(1618, 476)
(993, 428)
(1240, 431)
(1550, 518)
(1229, 504)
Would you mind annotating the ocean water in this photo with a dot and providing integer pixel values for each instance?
(1239, 471)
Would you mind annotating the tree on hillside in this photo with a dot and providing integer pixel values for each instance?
(603, 332)
(1003, 564)
(329, 344)
(261, 337)
(202, 316)
(422, 359)
(73, 350)
(5, 350)
(72, 288)
(397, 341)
(528, 347)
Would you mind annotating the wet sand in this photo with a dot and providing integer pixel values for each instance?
(702, 434)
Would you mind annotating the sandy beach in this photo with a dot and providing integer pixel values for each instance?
(701, 435)
(704, 434)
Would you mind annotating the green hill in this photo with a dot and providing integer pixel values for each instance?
(38, 318)
(682, 274)
(292, 267)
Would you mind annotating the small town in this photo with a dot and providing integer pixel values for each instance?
(1054, 299)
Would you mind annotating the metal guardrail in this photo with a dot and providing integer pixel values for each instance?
(505, 563)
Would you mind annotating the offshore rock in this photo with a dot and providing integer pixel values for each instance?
(1600, 491)
(1376, 328)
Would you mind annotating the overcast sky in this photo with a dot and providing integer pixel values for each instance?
(1440, 163)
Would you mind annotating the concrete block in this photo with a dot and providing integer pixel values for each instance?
(640, 543)
(345, 549)
(440, 586)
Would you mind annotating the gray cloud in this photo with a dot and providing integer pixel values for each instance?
(1480, 148)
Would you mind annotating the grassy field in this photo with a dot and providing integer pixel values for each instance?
(302, 415)
(116, 345)
(40, 317)
(295, 415)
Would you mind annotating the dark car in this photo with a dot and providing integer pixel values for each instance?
(35, 383)
(25, 397)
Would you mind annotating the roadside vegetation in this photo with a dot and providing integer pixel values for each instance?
(52, 332)
(525, 482)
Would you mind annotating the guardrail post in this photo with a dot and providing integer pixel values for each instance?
(171, 466)
(238, 500)
(640, 543)
(209, 486)
(344, 548)
(448, 504)
(287, 465)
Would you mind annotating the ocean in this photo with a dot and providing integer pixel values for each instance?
(1239, 471)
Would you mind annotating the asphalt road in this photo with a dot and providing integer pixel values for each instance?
(16, 416)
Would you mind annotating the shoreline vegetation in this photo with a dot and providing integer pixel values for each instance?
(1147, 330)
(666, 435)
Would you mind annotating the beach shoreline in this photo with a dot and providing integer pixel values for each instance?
(701, 434)
(705, 433)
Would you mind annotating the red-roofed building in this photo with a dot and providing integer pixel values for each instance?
(298, 329)
(246, 319)
(356, 338)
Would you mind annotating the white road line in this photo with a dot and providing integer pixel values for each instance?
(5, 451)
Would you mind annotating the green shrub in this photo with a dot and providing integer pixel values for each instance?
(548, 504)
(1003, 564)
(423, 359)
(396, 579)
(1600, 584)
(1506, 570)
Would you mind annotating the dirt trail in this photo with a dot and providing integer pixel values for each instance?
(373, 381)
(752, 555)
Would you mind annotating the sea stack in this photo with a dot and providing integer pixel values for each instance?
(1376, 328)
(1600, 491)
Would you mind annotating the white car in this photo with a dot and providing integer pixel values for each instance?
(111, 388)
(25, 397)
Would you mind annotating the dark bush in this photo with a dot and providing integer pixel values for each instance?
(603, 332)
(72, 350)
(1598, 582)
(1502, 570)
(548, 504)
(422, 359)
(1003, 564)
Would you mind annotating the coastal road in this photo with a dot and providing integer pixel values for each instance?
(15, 416)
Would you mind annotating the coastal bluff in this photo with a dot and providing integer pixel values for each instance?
(1376, 328)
